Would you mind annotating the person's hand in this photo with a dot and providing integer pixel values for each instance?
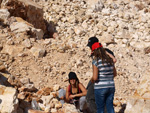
(62, 98)
(72, 96)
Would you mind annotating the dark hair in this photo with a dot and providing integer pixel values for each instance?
(100, 53)
(72, 75)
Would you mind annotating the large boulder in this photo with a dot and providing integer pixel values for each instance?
(140, 101)
(69, 108)
(21, 25)
(26, 9)
(138, 106)
(8, 100)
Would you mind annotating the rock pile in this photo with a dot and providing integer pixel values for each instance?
(27, 10)
(121, 25)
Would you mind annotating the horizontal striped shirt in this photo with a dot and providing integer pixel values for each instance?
(105, 75)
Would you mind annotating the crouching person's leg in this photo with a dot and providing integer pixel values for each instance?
(82, 103)
(61, 95)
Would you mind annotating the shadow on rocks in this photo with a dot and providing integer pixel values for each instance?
(123, 107)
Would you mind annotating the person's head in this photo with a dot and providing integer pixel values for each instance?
(91, 41)
(73, 79)
(98, 52)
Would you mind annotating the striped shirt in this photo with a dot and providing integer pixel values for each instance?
(105, 75)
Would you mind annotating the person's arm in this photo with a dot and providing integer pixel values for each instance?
(67, 94)
(111, 56)
(95, 74)
(83, 91)
(115, 72)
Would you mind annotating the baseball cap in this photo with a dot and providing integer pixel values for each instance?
(72, 75)
(91, 41)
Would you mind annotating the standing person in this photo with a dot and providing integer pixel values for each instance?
(103, 74)
(75, 92)
(90, 97)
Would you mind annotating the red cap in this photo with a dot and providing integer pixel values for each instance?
(96, 45)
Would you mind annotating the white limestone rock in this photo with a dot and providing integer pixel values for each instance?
(9, 101)
(38, 52)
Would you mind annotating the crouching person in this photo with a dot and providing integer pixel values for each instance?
(75, 92)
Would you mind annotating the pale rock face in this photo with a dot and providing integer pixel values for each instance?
(30, 87)
(120, 25)
(138, 106)
(37, 52)
(39, 33)
(88, 74)
(27, 43)
(53, 110)
(85, 25)
(141, 97)
(140, 45)
(12, 50)
(69, 108)
(78, 30)
(58, 105)
(33, 16)
(19, 27)
(4, 14)
(96, 4)
(9, 101)
(36, 111)
(106, 12)
(21, 95)
(47, 99)
(106, 38)
(56, 87)
(25, 80)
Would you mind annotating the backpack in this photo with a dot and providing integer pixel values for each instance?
(90, 97)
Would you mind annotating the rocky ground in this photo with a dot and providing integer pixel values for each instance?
(39, 54)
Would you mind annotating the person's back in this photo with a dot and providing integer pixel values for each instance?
(105, 75)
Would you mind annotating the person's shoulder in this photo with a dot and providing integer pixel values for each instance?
(68, 87)
(80, 84)
(94, 62)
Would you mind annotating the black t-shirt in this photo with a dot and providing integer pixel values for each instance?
(109, 51)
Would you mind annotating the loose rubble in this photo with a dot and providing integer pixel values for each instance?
(41, 41)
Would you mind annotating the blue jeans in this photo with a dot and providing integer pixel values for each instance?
(104, 96)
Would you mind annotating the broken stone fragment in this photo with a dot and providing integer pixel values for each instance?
(36, 111)
(38, 52)
(4, 15)
(23, 26)
(9, 101)
(2, 66)
(147, 50)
